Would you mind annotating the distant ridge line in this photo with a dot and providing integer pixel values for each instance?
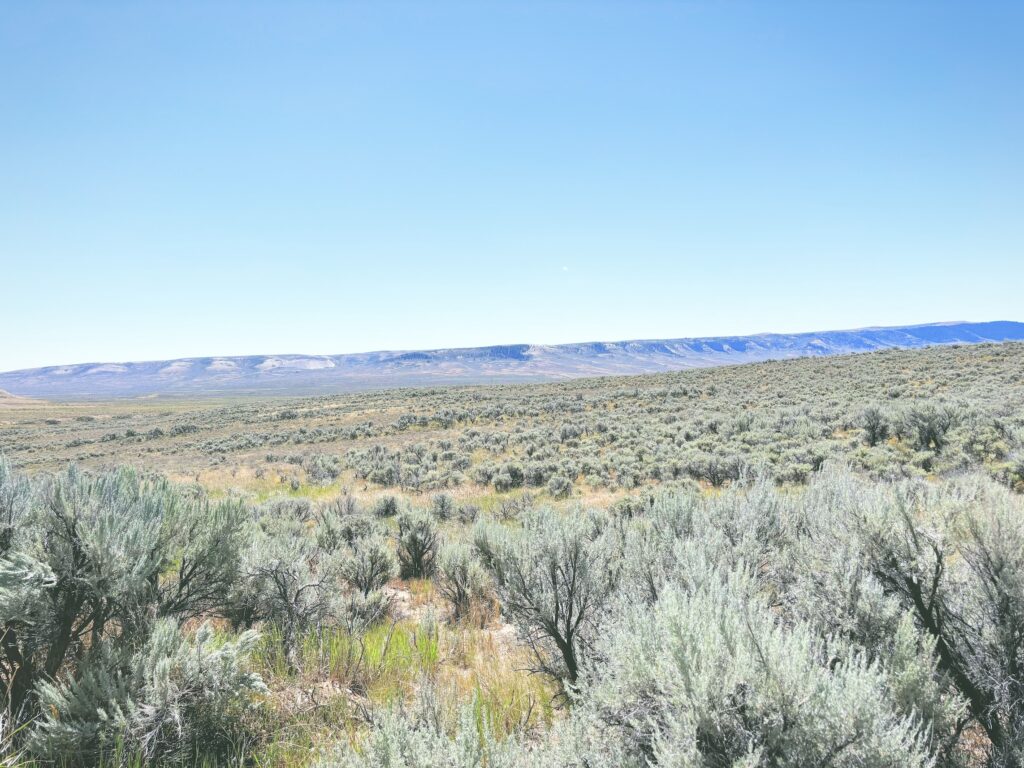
(295, 374)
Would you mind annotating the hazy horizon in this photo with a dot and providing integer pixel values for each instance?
(307, 353)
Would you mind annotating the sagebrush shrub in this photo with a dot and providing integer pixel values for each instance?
(460, 579)
(418, 541)
(555, 579)
(370, 567)
(95, 573)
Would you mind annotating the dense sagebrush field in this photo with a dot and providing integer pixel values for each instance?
(891, 414)
(816, 562)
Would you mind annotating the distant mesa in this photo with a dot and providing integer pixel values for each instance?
(506, 363)
(177, 368)
(295, 363)
(106, 368)
(413, 357)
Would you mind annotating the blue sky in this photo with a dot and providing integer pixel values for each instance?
(233, 178)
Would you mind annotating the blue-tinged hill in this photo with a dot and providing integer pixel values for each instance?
(316, 374)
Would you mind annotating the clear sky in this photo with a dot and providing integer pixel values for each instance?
(240, 178)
